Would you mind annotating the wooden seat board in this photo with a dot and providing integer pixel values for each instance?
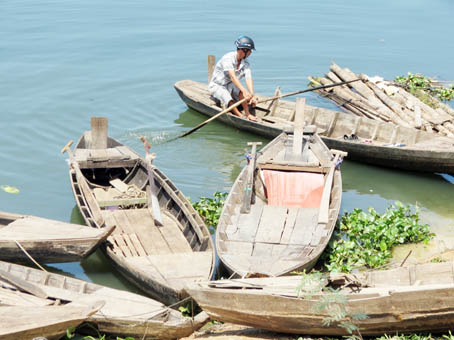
(305, 224)
(174, 266)
(271, 225)
(289, 225)
(34, 228)
(171, 232)
(238, 247)
(148, 233)
(248, 224)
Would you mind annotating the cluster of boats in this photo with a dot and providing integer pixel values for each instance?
(277, 219)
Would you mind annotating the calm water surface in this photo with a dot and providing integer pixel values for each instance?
(62, 62)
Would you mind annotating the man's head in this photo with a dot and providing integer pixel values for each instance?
(244, 43)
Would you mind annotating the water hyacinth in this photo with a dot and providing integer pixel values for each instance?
(366, 239)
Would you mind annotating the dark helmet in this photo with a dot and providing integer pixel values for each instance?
(244, 42)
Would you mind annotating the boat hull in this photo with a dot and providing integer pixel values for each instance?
(400, 148)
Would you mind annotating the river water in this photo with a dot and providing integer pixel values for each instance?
(62, 62)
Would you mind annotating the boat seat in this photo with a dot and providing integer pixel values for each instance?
(113, 197)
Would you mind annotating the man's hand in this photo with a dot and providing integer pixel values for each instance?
(253, 101)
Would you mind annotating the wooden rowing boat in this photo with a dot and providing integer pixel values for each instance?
(46, 241)
(50, 322)
(365, 140)
(406, 299)
(297, 201)
(123, 313)
(158, 247)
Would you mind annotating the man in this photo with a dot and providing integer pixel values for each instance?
(225, 84)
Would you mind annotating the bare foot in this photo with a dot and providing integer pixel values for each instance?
(252, 118)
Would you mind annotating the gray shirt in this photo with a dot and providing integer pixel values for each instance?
(228, 63)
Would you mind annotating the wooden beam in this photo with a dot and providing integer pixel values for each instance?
(246, 207)
(211, 64)
(98, 132)
(323, 215)
(298, 127)
(284, 167)
(22, 284)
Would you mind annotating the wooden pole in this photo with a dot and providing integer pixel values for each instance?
(249, 187)
(211, 64)
(298, 128)
(98, 132)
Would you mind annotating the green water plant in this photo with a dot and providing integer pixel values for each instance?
(425, 88)
(366, 239)
(210, 208)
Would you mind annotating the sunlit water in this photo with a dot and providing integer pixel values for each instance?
(62, 62)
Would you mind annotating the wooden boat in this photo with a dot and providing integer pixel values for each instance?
(111, 186)
(297, 201)
(46, 241)
(50, 322)
(365, 140)
(418, 298)
(123, 313)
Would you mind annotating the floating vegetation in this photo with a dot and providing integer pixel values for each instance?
(366, 239)
(10, 189)
(210, 208)
(424, 88)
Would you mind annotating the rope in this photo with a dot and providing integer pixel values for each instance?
(29, 256)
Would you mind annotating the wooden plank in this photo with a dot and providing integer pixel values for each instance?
(289, 225)
(305, 224)
(332, 124)
(98, 132)
(22, 284)
(302, 165)
(122, 221)
(211, 64)
(249, 187)
(248, 224)
(298, 127)
(119, 185)
(149, 234)
(122, 244)
(272, 223)
(261, 249)
(274, 103)
(98, 155)
(238, 247)
(171, 232)
(93, 205)
(152, 196)
(139, 247)
(130, 245)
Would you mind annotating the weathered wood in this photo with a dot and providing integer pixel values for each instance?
(22, 284)
(298, 128)
(401, 300)
(46, 241)
(271, 240)
(98, 132)
(246, 207)
(431, 153)
(211, 64)
(122, 313)
(137, 236)
(24, 322)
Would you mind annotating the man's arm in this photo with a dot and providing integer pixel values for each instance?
(247, 94)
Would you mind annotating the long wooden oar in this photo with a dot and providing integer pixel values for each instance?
(231, 107)
(321, 87)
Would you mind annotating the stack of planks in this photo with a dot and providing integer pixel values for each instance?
(380, 100)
